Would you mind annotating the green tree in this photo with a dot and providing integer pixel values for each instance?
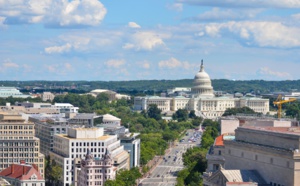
(180, 115)
(192, 114)
(234, 111)
(154, 112)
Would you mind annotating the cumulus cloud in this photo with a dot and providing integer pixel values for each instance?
(266, 72)
(115, 63)
(59, 13)
(74, 43)
(145, 40)
(245, 3)
(8, 64)
(58, 49)
(262, 34)
(133, 25)
(174, 63)
(175, 6)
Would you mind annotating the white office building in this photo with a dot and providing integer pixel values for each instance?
(77, 142)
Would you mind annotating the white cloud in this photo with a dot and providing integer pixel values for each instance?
(144, 64)
(262, 34)
(58, 13)
(133, 25)
(145, 40)
(73, 42)
(174, 63)
(217, 14)
(268, 73)
(175, 6)
(115, 63)
(8, 64)
(58, 49)
(245, 3)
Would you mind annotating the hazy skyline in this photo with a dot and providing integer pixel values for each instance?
(149, 39)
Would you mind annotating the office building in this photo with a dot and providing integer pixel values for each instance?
(77, 142)
(272, 151)
(17, 142)
(46, 126)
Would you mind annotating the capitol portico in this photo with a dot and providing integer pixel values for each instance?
(202, 100)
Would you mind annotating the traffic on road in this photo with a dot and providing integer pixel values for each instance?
(166, 171)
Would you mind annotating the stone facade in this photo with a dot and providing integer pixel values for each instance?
(202, 100)
(272, 151)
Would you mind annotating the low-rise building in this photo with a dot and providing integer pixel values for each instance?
(23, 175)
(65, 108)
(6, 92)
(47, 96)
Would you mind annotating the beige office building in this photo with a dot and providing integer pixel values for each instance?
(272, 151)
(17, 142)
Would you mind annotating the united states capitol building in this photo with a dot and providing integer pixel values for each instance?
(202, 99)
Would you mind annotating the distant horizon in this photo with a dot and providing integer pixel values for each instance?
(142, 80)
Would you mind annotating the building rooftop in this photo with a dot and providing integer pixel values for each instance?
(17, 171)
(85, 116)
(283, 130)
(102, 138)
(219, 141)
(243, 176)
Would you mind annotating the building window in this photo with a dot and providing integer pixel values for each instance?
(220, 153)
(256, 157)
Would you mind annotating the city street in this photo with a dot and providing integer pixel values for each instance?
(165, 173)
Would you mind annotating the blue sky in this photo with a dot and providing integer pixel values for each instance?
(149, 39)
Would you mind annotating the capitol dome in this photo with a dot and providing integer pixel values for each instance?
(202, 84)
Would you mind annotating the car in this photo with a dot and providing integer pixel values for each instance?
(158, 175)
(169, 156)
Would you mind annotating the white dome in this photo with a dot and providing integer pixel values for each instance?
(202, 84)
(202, 74)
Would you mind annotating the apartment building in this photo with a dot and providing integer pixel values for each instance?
(17, 142)
(77, 142)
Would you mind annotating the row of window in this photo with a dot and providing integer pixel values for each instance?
(16, 127)
(84, 144)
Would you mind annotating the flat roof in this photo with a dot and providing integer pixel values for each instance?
(284, 130)
(103, 138)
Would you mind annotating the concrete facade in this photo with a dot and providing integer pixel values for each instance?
(272, 151)
(18, 142)
(78, 141)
